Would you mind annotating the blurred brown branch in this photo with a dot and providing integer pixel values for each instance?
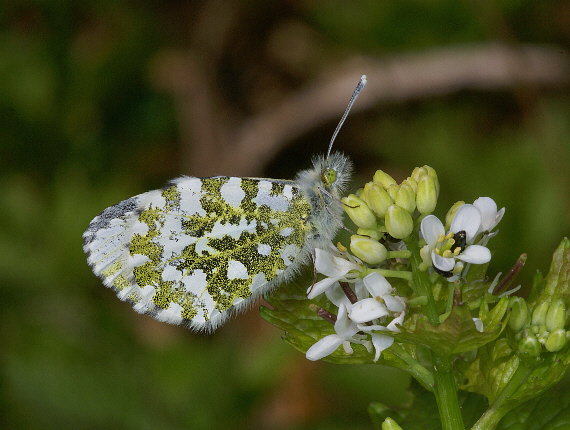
(214, 139)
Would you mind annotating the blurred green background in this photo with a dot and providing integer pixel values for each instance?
(101, 100)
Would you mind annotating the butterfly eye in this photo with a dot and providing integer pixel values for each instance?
(329, 177)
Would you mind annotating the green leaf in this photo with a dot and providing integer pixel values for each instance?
(557, 281)
(508, 380)
(547, 412)
(456, 335)
(474, 287)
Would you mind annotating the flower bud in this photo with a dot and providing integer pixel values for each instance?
(418, 172)
(530, 345)
(383, 179)
(393, 191)
(377, 198)
(519, 314)
(399, 222)
(451, 213)
(368, 250)
(374, 234)
(406, 198)
(359, 212)
(432, 174)
(426, 195)
(556, 340)
(390, 424)
(556, 316)
(539, 313)
(411, 182)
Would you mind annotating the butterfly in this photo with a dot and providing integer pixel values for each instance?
(201, 249)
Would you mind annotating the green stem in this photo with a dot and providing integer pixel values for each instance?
(398, 254)
(498, 410)
(445, 389)
(388, 273)
(446, 394)
(421, 281)
(414, 368)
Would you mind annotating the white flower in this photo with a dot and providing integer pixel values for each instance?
(490, 217)
(381, 304)
(442, 251)
(345, 331)
(335, 267)
(379, 340)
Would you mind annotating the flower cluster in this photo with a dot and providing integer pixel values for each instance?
(544, 327)
(364, 304)
(387, 214)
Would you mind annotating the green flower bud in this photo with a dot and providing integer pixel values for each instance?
(393, 191)
(530, 345)
(390, 424)
(377, 198)
(406, 198)
(383, 179)
(374, 234)
(432, 174)
(359, 212)
(411, 182)
(426, 195)
(539, 313)
(418, 172)
(556, 316)
(368, 250)
(556, 340)
(519, 314)
(399, 222)
(451, 213)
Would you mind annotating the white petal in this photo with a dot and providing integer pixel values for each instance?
(431, 229)
(347, 348)
(367, 310)
(377, 284)
(442, 263)
(326, 346)
(475, 254)
(336, 295)
(360, 290)
(373, 327)
(488, 209)
(332, 266)
(478, 324)
(344, 327)
(320, 287)
(398, 320)
(393, 304)
(381, 342)
(467, 218)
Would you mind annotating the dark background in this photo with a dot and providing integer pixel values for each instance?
(102, 100)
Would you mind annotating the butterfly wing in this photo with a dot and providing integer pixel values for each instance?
(200, 249)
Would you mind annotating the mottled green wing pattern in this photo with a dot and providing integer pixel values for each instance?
(201, 248)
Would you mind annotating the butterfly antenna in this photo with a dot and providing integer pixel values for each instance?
(359, 87)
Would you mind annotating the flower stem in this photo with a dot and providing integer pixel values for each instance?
(421, 281)
(414, 368)
(403, 274)
(445, 388)
(446, 394)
